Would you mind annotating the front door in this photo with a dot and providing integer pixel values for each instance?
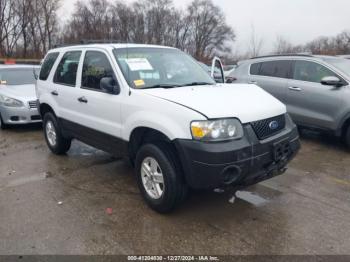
(309, 102)
(99, 110)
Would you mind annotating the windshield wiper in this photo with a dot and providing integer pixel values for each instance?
(198, 84)
(160, 86)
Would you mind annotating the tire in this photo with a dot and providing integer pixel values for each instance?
(3, 126)
(347, 137)
(173, 187)
(56, 142)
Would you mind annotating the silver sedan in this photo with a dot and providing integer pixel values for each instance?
(18, 102)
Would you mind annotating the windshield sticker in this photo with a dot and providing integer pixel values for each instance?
(139, 83)
(138, 64)
(3, 82)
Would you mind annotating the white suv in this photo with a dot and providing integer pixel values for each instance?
(159, 108)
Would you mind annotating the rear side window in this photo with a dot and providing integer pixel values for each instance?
(47, 66)
(96, 66)
(66, 73)
(279, 69)
(311, 72)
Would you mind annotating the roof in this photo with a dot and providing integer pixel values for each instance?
(108, 46)
(283, 55)
(291, 56)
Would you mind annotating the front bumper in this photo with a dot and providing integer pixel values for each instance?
(240, 162)
(19, 115)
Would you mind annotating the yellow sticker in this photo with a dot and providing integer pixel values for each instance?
(3, 82)
(139, 82)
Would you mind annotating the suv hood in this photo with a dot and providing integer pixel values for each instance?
(248, 103)
(19, 91)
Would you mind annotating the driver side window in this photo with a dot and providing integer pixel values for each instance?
(311, 72)
(96, 66)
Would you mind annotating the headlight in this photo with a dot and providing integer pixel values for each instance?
(10, 102)
(217, 130)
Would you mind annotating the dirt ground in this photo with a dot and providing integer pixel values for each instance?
(88, 203)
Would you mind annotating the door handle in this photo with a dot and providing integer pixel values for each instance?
(82, 99)
(293, 88)
(253, 82)
(54, 93)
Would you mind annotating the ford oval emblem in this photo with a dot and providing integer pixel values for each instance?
(273, 125)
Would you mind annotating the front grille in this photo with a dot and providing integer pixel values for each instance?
(33, 104)
(269, 127)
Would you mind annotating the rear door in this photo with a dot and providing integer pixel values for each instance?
(272, 76)
(65, 84)
(309, 102)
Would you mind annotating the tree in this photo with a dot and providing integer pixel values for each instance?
(283, 46)
(209, 31)
(255, 44)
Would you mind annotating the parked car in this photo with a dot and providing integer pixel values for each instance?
(156, 106)
(18, 101)
(314, 88)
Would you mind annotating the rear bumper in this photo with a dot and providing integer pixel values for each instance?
(19, 115)
(238, 163)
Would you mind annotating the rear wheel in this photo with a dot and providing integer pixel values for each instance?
(159, 177)
(57, 143)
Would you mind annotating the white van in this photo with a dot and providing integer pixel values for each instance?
(159, 108)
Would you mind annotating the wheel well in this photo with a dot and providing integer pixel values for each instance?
(44, 108)
(144, 135)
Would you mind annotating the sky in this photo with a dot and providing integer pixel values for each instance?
(298, 21)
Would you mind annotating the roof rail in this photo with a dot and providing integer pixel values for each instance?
(101, 41)
(90, 42)
(282, 55)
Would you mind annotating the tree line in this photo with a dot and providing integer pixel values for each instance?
(200, 29)
(29, 28)
(337, 45)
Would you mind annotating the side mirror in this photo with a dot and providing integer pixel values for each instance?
(332, 81)
(109, 85)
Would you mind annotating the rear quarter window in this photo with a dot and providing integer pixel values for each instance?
(47, 65)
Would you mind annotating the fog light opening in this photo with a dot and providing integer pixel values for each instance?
(231, 174)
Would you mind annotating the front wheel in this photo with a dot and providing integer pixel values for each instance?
(57, 143)
(2, 124)
(347, 137)
(159, 177)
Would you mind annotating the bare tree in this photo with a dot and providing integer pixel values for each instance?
(201, 30)
(283, 46)
(255, 44)
(209, 31)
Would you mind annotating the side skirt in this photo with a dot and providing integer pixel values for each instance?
(108, 143)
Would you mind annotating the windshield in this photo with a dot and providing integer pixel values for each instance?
(342, 64)
(18, 76)
(160, 68)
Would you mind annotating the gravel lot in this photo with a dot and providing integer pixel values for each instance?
(88, 203)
